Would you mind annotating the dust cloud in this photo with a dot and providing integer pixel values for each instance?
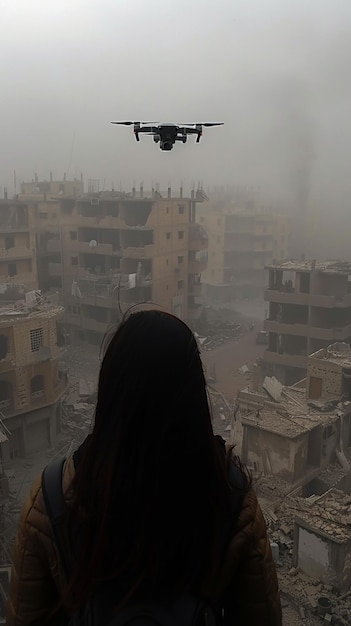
(275, 73)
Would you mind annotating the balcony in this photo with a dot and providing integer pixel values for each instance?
(286, 360)
(327, 302)
(101, 221)
(23, 278)
(139, 252)
(305, 330)
(196, 267)
(198, 238)
(15, 253)
(100, 248)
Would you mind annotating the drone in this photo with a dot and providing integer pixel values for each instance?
(166, 134)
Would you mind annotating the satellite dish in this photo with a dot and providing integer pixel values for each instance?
(93, 243)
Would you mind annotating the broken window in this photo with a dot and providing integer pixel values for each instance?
(36, 339)
(168, 235)
(9, 242)
(3, 346)
(73, 235)
(180, 284)
(180, 234)
(137, 213)
(304, 283)
(74, 260)
(180, 259)
(315, 389)
(37, 386)
(12, 269)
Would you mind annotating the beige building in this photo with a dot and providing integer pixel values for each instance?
(309, 308)
(241, 243)
(32, 379)
(51, 188)
(282, 236)
(109, 251)
(17, 248)
(295, 432)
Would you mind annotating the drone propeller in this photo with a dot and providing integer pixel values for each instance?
(213, 124)
(206, 124)
(131, 123)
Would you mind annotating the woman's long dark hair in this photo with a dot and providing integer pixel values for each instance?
(150, 490)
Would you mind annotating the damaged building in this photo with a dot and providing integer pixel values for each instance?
(32, 378)
(17, 248)
(322, 539)
(309, 308)
(243, 239)
(105, 252)
(295, 432)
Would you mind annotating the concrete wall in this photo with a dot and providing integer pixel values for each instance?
(275, 454)
(321, 558)
(35, 431)
(331, 376)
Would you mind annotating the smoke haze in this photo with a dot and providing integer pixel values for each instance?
(277, 74)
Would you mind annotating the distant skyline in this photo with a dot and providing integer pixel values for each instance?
(276, 73)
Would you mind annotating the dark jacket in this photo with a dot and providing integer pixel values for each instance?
(248, 572)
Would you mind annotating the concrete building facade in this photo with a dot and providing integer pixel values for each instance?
(322, 540)
(32, 379)
(106, 252)
(309, 308)
(241, 242)
(17, 247)
(295, 432)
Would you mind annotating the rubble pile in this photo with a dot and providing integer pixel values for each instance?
(221, 412)
(280, 506)
(217, 333)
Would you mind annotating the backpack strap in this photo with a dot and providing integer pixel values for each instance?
(51, 484)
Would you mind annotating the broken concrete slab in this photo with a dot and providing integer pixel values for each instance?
(273, 387)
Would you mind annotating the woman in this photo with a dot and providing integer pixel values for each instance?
(155, 505)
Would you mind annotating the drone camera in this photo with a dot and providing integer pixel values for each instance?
(167, 145)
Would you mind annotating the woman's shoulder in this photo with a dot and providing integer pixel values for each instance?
(34, 515)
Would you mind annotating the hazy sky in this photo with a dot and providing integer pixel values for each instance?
(277, 72)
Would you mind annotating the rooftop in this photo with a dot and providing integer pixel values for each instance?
(330, 514)
(16, 313)
(291, 414)
(328, 267)
(339, 353)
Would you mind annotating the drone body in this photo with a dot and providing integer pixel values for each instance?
(166, 134)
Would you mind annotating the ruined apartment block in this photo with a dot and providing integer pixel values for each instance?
(241, 242)
(296, 432)
(106, 252)
(17, 248)
(322, 540)
(32, 379)
(309, 308)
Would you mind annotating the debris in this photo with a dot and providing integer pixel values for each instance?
(273, 387)
(243, 369)
(340, 455)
